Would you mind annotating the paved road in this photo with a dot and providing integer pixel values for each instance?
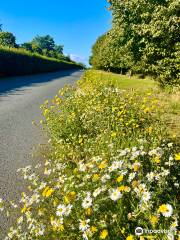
(20, 98)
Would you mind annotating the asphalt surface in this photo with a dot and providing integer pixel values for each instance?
(20, 98)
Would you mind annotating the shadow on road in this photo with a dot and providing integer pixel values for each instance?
(13, 83)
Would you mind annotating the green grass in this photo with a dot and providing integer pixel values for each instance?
(123, 81)
(169, 101)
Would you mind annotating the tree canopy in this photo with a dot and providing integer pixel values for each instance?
(44, 42)
(7, 39)
(144, 39)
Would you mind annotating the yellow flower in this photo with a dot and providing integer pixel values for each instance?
(45, 112)
(154, 220)
(47, 192)
(103, 165)
(56, 224)
(103, 234)
(146, 110)
(113, 134)
(120, 178)
(41, 212)
(55, 202)
(89, 211)
(177, 156)
(163, 208)
(157, 160)
(130, 237)
(95, 177)
(93, 229)
(136, 166)
(149, 130)
(72, 196)
(124, 188)
(25, 209)
(135, 183)
(81, 140)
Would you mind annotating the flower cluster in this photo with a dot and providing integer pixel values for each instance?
(110, 168)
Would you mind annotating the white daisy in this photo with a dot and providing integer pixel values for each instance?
(83, 225)
(87, 202)
(169, 211)
(146, 196)
(115, 194)
(61, 210)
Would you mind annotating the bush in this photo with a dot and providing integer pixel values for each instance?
(20, 62)
(110, 168)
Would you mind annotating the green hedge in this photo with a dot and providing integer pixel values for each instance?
(20, 62)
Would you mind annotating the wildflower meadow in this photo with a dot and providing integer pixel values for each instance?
(111, 166)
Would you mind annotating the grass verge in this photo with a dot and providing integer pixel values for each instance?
(112, 166)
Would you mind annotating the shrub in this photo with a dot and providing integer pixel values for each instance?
(110, 168)
(20, 62)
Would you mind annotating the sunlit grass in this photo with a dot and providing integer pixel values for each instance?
(169, 100)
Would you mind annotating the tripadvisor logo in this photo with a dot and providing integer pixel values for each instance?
(138, 231)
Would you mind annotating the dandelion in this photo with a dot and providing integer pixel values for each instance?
(177, 156)
(103, 165)
(166, 210)
(115, 194)
(130, 237)
(94, 229)
(47, 192)
(154, 220)
(95, 177)
(120, 178)
(104, 234)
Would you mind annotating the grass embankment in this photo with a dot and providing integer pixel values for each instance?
(112, 165)
(20, 62)
(169, 101)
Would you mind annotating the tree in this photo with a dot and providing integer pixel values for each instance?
(144, 39)
(27, 46)
(7, 39)
(44, 42)
(59, 49)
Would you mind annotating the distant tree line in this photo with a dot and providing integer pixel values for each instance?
(145, 38)
(44, 45)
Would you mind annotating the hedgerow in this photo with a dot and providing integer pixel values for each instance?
(111, 167)
(19, 62)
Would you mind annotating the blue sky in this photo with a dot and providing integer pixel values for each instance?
(74, 23)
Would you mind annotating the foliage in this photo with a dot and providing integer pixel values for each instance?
(144, 39)
(7, 39)
(19, 62)
(58, 49)
(44, 42)
(107, 171)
